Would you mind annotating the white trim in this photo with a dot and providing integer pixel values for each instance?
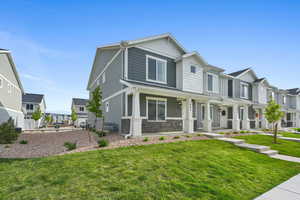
(247, 91)
(9, 82)
(9, 109)
(165, 66)
(107, 106)
(156, 99)
(126, 63)
(1, 82)
(115, 94)
(173, 118)
(105, 67)
(103, 77)
(154, 51)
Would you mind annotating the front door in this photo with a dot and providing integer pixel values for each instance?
(241, 117)
(200, 115)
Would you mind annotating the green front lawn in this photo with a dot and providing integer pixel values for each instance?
(284, 147)
(207, 169)
(286, 134)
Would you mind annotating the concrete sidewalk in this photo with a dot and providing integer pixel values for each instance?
(288, 190)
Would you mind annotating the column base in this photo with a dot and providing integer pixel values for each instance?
(207, 125)
(236, 125)
(189, 126)
(136, 127)
(246, 124)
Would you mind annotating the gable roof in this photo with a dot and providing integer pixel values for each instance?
(78, 101)
(145, 39)
(32, 98)
(237, 73)
(294, 91)
(13, 67)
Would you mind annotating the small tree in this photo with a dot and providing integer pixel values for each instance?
(94, 105)
(273, 115)
(37, 114)
(48, 119)
(74, 116)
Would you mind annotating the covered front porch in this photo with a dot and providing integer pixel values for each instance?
(158, 110)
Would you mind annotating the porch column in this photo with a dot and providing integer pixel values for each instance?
(189, 121)
(136, 121)
(236, 119)
(246, 121)
(297, 120)
(256, 118)
(264, 122)
(207, 118)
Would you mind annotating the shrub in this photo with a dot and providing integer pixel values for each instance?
(187, 136)
(297, 129)
(236, 132)
(23, 142)
(101, 133)
(176, 137)
(70, 146)
(103, 143)
(161, 138)
(8, 132)
(199, 134)
(243, 131)
(145, 139)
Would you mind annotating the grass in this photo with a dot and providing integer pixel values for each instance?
(284, 147)
(286, 134)
(206, 169)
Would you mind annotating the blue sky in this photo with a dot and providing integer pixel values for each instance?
(53, 42)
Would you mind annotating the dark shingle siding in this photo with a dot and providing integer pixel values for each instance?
(32, 98)
(137, 66)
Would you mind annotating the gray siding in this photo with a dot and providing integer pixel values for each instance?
(11, 100)
(115, 111)
(102, 57)
(137, 66)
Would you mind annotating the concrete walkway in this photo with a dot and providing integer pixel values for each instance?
(253, 147)
(288, 190)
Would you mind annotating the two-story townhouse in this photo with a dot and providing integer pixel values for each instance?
(11, 90)
(154, 85)
(290, 100)
(79, 107)
(32, 102)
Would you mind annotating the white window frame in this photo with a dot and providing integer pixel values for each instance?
(159, 59)
(214, 76)
(283, 99)
(156, 99)
(103, 77)
(1, 82)
(107, 106)
(193, 66)
(273, 95)
(246, 91)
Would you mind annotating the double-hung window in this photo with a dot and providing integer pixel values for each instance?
(244, 90)
(212, 83)
(156, 69)
(157, 109)
(29, 106)
(193, 69)
(81, 109)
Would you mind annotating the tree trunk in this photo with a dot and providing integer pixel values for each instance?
(275, 133)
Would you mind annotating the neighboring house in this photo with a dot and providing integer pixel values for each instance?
(11, 90)
(58, 118)
(155, 85)
(31, 102)
(79, 106)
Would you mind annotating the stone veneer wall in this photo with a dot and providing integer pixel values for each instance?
(166, 126)
(125, 126)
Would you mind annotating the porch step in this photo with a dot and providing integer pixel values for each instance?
(270, 152)
(232, 140)
(213, 135)
(254, 147)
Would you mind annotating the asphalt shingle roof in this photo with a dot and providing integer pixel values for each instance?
(237, 73)
(294, 91)
(78, 101)
(32, 98)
